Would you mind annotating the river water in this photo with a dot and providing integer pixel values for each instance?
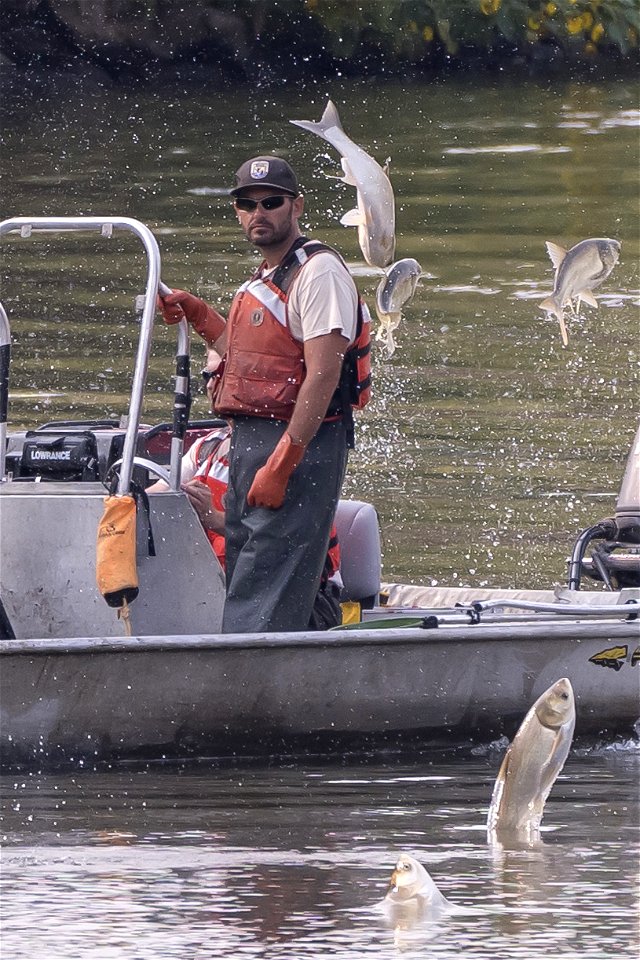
(292, 862)
(486, 449)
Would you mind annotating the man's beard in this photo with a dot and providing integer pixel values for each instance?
(274, 238)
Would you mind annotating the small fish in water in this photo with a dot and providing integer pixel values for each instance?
(410, 884)
(530, 766)
(375, 214)
(578, 271)
(394, 290)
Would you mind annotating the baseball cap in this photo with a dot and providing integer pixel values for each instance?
(266, 172)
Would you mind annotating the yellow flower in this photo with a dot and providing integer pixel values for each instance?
(413, 26)
(574, 24)
(489, 6)
(597, 33)
(533, 24)
(590, 48)
(550, 9)
(587, 20)
(427, 34)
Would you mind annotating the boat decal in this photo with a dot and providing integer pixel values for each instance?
(635, 656)
(612, 657)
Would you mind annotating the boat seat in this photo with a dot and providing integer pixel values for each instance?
(360, 555)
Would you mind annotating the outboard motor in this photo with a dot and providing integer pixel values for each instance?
(628, 505)
(615, 557)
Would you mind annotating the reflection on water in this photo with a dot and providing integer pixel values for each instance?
(294, 861)
(480, 413)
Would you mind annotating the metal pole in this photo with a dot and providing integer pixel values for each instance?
(5, 358)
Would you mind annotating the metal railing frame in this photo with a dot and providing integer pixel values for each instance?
(106, 225)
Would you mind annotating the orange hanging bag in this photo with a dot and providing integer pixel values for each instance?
(116, 568)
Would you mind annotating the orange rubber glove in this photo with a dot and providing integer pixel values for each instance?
(181, 305)
(270, 482)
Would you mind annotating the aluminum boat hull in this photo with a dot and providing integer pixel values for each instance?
(95, 699)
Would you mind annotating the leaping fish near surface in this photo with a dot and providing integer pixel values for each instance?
(578, 271)
(530, 766)
(374, 215)
(394, 290)
(411, 885)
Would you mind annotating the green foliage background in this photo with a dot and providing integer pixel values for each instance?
(419, 29)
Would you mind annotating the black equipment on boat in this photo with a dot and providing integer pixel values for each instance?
(54, 455)
(86, 450)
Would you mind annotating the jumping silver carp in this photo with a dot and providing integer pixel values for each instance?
(410, 883)
(394, 290)
(531, 764)
(578, 271)
(375, 214)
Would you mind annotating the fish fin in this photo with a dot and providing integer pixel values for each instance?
(309, 125)
(330, 117)
(328, 120)
(550, 771)
(587, 297)
(563, 332)
(556, 253)
(348, 175)
(556, 761)
(391, 345)
(551, 306)
(495, 807)
(353, 218)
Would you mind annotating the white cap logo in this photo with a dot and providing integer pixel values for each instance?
(259, 169)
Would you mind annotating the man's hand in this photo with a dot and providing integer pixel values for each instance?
(181, 305)
(199, 496)
(270, 482)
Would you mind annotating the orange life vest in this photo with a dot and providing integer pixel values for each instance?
(213, 470)
(332, 562)
(263, 368)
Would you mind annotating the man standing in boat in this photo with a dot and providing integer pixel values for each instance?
(205, 478)
(287, 389)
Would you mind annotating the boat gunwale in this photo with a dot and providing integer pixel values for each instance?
(578, 630)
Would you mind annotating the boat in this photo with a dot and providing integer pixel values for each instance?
(419, 666)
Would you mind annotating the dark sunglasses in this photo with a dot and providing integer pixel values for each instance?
(267, 203)
(208, 375)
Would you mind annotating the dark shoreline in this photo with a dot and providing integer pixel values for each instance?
(215, 44)
(18, 81)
